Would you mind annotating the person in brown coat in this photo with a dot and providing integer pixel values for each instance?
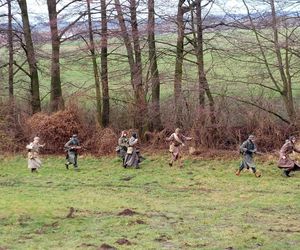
(285, 162)
(177, 140)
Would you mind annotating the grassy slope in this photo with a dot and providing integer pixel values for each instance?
(203, 206)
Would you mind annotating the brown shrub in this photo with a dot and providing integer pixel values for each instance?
(5, 138)
(55, 130)
(233, 125)
(102, 141)
(11, 132)
(157, 139)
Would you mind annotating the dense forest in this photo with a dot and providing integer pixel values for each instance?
(97, 67)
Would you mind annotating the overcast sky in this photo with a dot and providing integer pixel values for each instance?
(38, 8)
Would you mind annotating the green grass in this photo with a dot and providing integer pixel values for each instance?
(229, 70)
(203, 206)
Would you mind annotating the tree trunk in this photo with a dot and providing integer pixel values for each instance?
(155, 112)
(178, 65)
(104, 65)
(140, 99)
(11, 56)
(30, 53)
(135, 63)
(203, 84)
(287, 92)
(56, 99)
(199, 55)
(94, 60)
(284, 85)
(127, 41)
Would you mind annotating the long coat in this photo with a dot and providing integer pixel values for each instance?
(284, 159)
(34, 161)
(176, 143)
(132, 157)
(248, 148)
(72, 152)
(121, 149)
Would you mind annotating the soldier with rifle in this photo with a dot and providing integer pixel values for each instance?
(123, 144)
(248, 149)
(71, 148)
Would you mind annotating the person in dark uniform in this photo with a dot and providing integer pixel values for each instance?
(248, 149)
(72, 147)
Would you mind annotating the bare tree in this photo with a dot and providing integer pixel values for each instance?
(267, 54)
(198, 45)
(135, 62)
(10, 54)
(154, 74)
(94, 60)
(179, 63)
(31, 59)
(56, 97)
(104, 65)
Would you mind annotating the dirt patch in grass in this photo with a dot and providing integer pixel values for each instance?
(71, 213)
(157, 214)
(85, 245)
(9, 183)
(127, 178)
(140, 222)
(87, 212)
(23, 220)
(163, 238)
(123, 241)
(281, 230)
(105, 246)
(127, 212)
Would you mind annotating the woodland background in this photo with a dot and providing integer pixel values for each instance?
(98, 67)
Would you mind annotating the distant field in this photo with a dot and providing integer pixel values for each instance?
(225, 75)
(203, 206)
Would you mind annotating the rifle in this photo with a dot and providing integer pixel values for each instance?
(259, 153)
(72, 148)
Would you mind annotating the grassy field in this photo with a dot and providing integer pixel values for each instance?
(77, 70)
(202, 206)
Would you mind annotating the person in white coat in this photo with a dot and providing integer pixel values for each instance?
(34, 161)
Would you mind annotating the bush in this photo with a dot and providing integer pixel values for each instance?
(56, 129)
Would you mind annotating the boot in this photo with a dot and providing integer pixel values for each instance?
(170, 163)
(67, 165)
(237, 173)
(257, 174)
(286, 173)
